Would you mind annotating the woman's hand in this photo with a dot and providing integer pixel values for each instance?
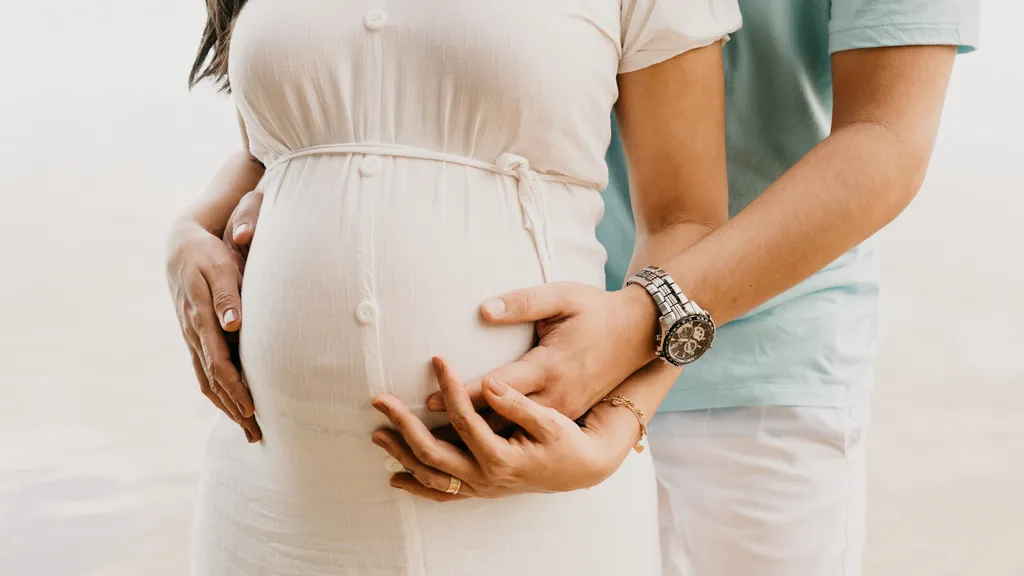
(547, 453)
(590, 341)
(204, 276)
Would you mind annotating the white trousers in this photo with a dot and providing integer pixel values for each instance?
(762, 491)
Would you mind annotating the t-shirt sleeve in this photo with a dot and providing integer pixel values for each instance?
(878, 23)
(653, 31)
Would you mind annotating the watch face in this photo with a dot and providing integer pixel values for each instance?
(689, 339)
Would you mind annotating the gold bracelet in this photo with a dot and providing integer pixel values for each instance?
(623, 401)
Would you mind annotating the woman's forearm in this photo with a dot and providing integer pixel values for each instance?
(239, 175)
(648, 386)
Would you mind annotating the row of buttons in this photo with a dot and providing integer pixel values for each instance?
(366, 312)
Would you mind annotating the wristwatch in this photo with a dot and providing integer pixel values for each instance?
(685, 331)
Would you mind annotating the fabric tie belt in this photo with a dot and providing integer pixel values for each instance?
(530, 183)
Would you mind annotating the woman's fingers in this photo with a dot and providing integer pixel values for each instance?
(538, 421)
(498, 423)
(427, 449)
(408, 483)
(432, 478)
(472, 428)
(526, 374)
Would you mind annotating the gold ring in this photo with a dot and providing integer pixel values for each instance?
(454, 485)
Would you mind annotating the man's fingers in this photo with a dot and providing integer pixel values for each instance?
(243, 220)
(220, 370)
(409, 483)
(204, 382)
(250, 427)
(536, 420)
(223, 278)
(252, 430)
(209, 389)
(396, 447)
(528, 375)
(427, 449)
(529, 304)
(474, 431)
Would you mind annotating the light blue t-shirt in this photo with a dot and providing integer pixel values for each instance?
(815, 344)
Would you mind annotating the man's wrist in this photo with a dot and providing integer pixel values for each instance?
(641, 317)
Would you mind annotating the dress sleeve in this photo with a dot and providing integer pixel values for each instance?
(653, 31)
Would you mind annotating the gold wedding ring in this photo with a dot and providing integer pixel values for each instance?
(454, 485)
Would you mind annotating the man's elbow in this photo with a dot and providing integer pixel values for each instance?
(906, 157)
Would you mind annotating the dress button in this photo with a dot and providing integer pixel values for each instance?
(392, 465)
(366, 313)
(369, 167)
(375, 19)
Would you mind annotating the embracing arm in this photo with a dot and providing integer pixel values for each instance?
(237, 176)
(887, 104)
(203, 274)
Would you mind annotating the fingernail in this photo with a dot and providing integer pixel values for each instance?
(241, 229)
(495, 308)
(382, 408)
(497, 387)
(242, 410)
(230, 316)
(248, 435)
(435, 404)
(379, 440)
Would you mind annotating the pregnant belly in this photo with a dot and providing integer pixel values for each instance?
(350, 289)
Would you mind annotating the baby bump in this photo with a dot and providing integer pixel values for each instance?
(351, 286)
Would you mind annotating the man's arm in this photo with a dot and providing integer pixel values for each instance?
(203, 274)
(887, 104)
(239, 174)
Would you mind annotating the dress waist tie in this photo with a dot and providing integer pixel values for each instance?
(530, 183)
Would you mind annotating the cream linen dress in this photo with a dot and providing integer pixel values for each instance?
(422, 156)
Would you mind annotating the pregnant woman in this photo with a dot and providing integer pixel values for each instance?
(421, 156)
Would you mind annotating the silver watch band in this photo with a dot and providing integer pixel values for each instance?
(666, 295)
(685, 331)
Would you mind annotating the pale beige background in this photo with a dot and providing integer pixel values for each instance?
(102, 426)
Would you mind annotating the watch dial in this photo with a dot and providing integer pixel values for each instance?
(690, 339)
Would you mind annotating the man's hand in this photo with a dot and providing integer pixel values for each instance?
(590, 341)
(242, 226)
(547, 453)
(204, 274)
